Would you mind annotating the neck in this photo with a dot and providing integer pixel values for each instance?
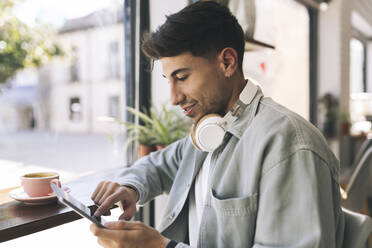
(238, 83)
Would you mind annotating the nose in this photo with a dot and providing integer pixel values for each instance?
(177, 96)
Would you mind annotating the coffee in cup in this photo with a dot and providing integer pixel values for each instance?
(38, 184)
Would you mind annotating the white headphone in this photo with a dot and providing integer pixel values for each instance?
(208, 133)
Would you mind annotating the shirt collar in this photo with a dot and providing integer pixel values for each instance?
(238, 127)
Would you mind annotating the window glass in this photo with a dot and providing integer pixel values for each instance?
(74, 70)
(75, 109)
(356, 66)
(114, 60)
(360, 101)
(114, 107)
(50, 110)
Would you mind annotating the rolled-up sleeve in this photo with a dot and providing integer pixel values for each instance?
(153, 175)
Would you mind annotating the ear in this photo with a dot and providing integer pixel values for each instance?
(228, 59)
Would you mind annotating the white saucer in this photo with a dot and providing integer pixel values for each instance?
(21, 196)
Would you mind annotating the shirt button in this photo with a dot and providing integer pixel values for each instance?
(172, 216)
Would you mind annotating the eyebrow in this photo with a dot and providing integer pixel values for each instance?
(178, 71)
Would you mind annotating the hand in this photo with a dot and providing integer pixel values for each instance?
(108, 193)
(125, 234)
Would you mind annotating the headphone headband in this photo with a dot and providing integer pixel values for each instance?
(245, 98)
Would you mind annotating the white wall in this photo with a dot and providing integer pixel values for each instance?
(329, 49)
(285, 77)
(334, 51)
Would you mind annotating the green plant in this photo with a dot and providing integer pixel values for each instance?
(160, 127)
(344, 117)
(330, 107)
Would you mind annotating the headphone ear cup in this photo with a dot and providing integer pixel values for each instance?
(207, 135)
(192, 136)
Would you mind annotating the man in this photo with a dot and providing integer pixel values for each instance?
(271, 181)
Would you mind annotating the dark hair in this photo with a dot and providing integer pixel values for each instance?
(203, 29)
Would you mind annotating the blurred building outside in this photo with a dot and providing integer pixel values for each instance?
(70, 93)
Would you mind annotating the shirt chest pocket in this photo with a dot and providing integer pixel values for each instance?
(235, 219)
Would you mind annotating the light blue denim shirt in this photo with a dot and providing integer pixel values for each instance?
(273, 183)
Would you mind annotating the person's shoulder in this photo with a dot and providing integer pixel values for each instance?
(286, 132)
(279, 120)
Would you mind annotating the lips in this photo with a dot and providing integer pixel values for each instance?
(187, 110)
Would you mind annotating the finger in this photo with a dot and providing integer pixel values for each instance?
(129, 212)
(109, 191)
(101, 192)
(106, 243)
(98, 188)
(102, 242)
(107, 204)
(120, 204)
(125, 216)
(109, 234)
(95, 229)
(99, 232)
(124, 225)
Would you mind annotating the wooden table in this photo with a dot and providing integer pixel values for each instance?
(18, 219)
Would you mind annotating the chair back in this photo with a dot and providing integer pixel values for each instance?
(362, 150)
(358, 186)
(358, 228)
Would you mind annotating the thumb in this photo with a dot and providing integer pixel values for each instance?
(120, 225)
(128, 213)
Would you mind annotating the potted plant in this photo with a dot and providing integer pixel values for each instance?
(143, 133)
(344, 123)
(139, 133)
(159, 128)
(330, 107)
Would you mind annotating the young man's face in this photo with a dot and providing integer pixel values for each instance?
(197, 85)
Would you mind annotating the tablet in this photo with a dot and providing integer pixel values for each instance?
(76, 205)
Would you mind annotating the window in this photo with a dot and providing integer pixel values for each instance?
(65, 99)
(360, 100)
(114, 60)
(75, 109)
(114, 107)
(74, 68)
(357, 66)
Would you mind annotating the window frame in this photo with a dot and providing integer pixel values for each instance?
(355, 34)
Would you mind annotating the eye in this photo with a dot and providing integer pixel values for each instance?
(183, 78)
